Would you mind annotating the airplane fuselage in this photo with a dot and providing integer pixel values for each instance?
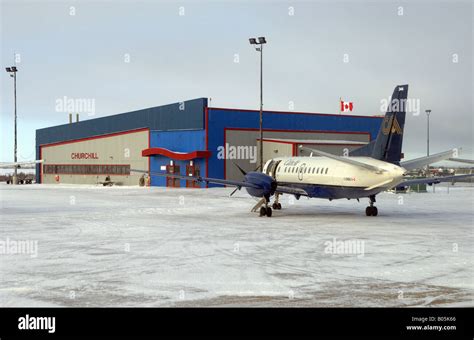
(328, 178)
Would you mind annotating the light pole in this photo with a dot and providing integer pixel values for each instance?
(428, 112)
(261, 42)
(13, 70)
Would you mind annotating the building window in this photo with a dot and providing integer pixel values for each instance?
(86, 169)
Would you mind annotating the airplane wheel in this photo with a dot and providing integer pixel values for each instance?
(279, 206)
(269, 212)
(371, 211)
(263, 211)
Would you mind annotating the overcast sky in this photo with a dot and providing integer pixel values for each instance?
(131, 55)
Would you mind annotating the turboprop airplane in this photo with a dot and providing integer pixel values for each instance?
(367, 171)
(20, 165)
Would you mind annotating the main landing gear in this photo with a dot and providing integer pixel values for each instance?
(371, 210)
(277, 205)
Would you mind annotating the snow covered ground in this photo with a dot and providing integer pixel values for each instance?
(119, 246)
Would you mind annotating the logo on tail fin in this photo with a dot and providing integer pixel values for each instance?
(390, 124)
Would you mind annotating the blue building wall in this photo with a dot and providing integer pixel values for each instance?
(167, 117)
(218, 119)
(177, 141)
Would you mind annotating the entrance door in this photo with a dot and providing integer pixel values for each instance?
(192, 170)
(170, 181)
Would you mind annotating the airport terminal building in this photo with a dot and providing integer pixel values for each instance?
(187, 138)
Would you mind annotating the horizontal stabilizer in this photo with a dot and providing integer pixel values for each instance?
(419, 163)
(433, 180)
(346, 160)
(460, 160)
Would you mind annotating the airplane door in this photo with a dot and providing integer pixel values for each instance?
(274, 169)
(268, 170)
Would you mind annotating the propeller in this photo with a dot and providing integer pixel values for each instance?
(241, 170)
(233, 192)
(243, 173)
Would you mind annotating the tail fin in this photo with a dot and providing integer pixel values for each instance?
(388, 145)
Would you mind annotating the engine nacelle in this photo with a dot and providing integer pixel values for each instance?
(266, 183)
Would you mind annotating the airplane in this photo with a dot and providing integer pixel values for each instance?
(20, 165)
(365, 172)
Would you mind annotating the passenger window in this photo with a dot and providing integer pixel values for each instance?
(326, 171)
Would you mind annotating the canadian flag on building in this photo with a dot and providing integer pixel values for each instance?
(346, 106)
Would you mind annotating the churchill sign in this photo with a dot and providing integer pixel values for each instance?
(84, 155)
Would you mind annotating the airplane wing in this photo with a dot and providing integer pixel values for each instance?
(418, 163)
(281, 189)
(346, 160)
(433, 180)
(238, 184)
(24, 165)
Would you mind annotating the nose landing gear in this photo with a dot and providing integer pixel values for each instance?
(371, 210)
(263, 208)
(266, 210)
